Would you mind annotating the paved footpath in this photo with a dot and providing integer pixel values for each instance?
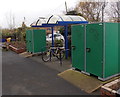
(23, 76)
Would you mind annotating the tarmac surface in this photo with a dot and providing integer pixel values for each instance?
(27, 76)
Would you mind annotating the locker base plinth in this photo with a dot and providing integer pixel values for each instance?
(97, 77)
(110, 77)
(76, 69)
(85, 73)
(72, 68)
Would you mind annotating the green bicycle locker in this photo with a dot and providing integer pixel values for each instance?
(78, 46)
(101, 49)
(29, 40)
(94, 49)
(36, 40)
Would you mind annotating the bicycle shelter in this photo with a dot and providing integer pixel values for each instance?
(57, 20)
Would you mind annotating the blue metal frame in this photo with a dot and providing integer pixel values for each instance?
(52, 36)
(65, 24)
(62, 23)
(66, 40)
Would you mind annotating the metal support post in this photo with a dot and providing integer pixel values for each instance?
(66, 41)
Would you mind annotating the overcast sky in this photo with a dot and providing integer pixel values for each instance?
(31, 9)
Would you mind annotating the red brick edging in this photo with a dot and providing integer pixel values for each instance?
(21, 50)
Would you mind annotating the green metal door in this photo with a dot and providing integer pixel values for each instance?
(29, 40)
(42, 40)
(111, 49)
(78, 46)
(39, 37)
(94, 49)
(118, 47)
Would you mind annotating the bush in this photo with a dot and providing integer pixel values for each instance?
(58, 43)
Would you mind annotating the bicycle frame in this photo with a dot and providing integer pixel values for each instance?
(54, 51)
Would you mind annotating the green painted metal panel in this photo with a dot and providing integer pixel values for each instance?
(119, 47)
(78, 46)
(36, 40)
(43, 41)
(94, 49)
(39, 40)
(111, 49)
(29, 40)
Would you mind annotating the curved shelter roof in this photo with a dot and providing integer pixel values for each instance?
(39, 21)
(54, 19)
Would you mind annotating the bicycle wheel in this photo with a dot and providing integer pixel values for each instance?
(46, 56)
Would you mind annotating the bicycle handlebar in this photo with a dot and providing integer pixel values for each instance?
(62, 49)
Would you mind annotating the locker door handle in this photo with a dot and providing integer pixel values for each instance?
(73, 47)
(88, 49)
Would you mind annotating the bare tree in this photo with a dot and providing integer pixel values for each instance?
(92, 11)
(114, 12)
(10, 20)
